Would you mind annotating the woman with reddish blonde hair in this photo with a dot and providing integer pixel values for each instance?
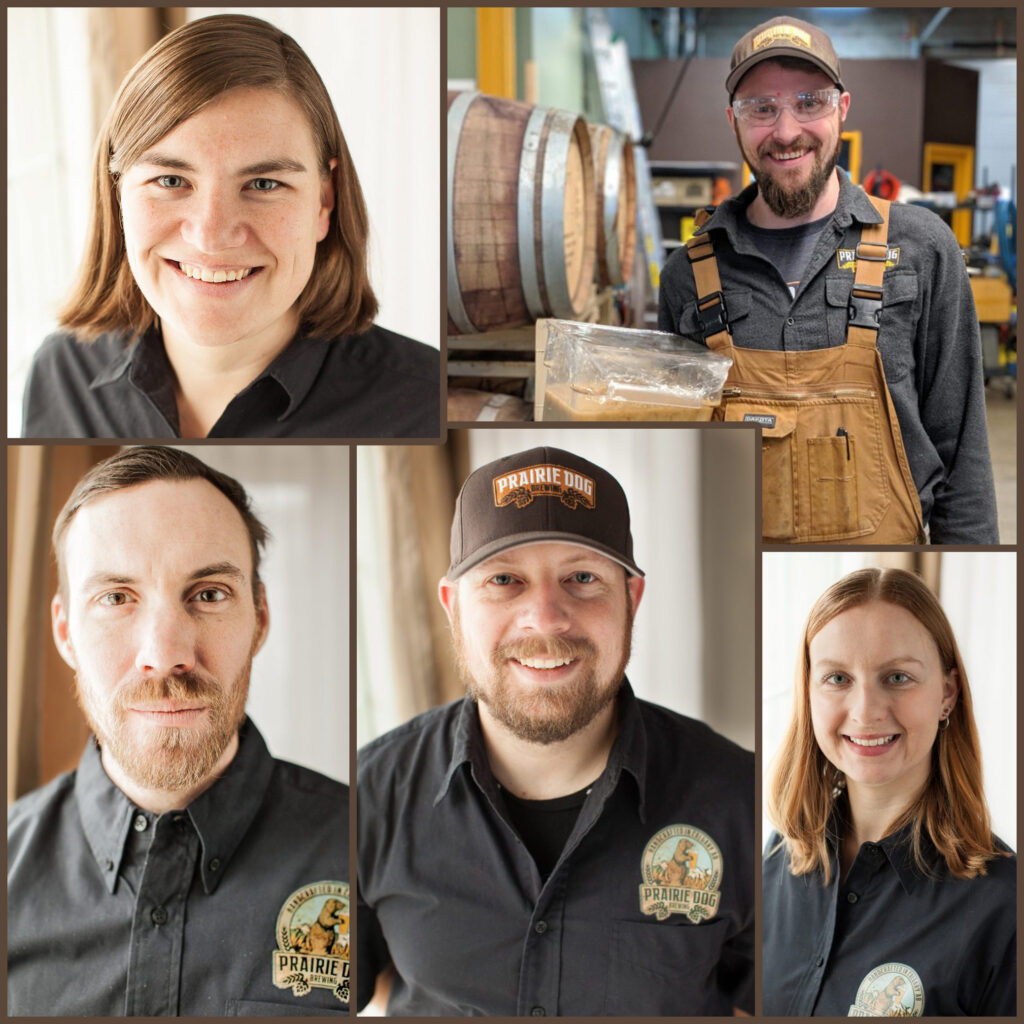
(224, 289)
(885, 891)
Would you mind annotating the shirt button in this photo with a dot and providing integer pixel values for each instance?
(790, 321)
(540, 927)
(159, 915)
(108, 864)
(141, 823)
(852, 897)
(819, 961)
(538, 1011)
(215, 864)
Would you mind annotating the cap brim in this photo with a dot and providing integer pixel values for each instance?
(534, 537)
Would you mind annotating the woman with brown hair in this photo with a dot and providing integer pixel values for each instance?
(224, 289)
(885, 891)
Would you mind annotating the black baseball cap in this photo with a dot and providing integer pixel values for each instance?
(544, 494)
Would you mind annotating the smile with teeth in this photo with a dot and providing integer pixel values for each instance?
(214, 276)
(790, 154)
(547, 663)
(877, 741)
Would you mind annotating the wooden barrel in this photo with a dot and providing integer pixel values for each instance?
(522, 220)
(615, 182)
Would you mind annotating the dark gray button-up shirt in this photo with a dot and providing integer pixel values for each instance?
(116, 911)
(376, 384)
(450, 894)
(929, 339)
(887, 940)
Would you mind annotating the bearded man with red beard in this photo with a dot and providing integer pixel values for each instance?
(512, 844)
(170, 873)
(850, 321)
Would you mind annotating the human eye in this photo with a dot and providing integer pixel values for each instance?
(810, 102)
(898, 678)
(582, 576)
(264, 185)
(209, 595)
(113, 599)
(170, 181)
(501, 579)
(834, 679)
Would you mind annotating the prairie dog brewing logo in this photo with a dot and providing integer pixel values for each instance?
(891, 990)
(544, 480)
(682, 870)
(791, 33)
(847, 258)
(312, 940)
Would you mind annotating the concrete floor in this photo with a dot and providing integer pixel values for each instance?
(1002, 441)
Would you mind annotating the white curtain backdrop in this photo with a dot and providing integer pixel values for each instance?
(299, 695)
(978, 594)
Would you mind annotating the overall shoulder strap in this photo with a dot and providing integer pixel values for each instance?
(866, 295)
(711, 311)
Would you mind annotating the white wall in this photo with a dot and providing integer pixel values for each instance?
(299, 694)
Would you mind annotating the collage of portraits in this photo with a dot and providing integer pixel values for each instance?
(512, 512)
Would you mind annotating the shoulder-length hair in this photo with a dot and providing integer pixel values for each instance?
(180, 75)
(804, 785)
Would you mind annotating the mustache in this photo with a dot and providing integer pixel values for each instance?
(560, 647)
(188, 685)
(771, 148)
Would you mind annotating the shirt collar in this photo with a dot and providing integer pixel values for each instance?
(629, 751)
(852, 205)
(149, 370)
(221, 815)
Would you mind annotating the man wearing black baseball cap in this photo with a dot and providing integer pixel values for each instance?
(850, 321)
(552, 845)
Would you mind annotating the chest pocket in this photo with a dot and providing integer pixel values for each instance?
(898, 326)
(737, 304)
(664, 970)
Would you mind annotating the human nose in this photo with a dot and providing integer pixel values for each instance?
(213, 223)
(165, 642)
(544, 610)
(868, 704)
(787, 126)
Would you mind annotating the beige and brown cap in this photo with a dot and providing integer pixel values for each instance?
(544, 494)
(783, 37)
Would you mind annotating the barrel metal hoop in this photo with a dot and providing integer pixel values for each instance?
(615, 154)
(456, 115)
(528, 269)
(556, 162)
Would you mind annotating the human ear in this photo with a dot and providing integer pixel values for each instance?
(61, 635)
(447, 594)
(327, 198)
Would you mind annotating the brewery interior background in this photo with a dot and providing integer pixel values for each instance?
(934, 107)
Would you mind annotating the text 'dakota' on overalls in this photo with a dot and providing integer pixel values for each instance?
(833, 466)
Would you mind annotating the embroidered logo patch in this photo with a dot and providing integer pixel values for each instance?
(847, 258)
(890, 990)
(312, 940)
(682, 871)
(790, 33)
(544, 480)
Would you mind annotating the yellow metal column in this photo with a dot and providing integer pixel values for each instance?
(496, 51)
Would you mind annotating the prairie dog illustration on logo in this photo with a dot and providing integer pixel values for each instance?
(890, 990)
(682, 872)
(312, 940)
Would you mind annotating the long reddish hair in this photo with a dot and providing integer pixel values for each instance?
(804, 786)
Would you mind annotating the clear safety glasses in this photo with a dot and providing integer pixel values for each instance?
(763, 111)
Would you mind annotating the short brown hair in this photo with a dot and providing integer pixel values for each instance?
(804, 785)
(141, 465)
(175, 79)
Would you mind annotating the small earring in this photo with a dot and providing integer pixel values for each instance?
(944, 721)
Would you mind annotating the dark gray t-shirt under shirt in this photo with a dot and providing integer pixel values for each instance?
(789, 249)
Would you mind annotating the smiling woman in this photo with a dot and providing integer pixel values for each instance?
(224, 288)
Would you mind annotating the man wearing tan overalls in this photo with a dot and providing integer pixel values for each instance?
(850, 322)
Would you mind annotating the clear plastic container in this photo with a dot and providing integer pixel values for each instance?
(593, 372)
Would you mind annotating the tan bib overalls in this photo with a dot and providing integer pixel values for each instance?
(833, 468)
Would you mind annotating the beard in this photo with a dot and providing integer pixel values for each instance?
(544, 713)
(786, 201)
(169, 758)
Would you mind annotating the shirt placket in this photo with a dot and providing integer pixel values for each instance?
(541, 968)
(158, 926)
